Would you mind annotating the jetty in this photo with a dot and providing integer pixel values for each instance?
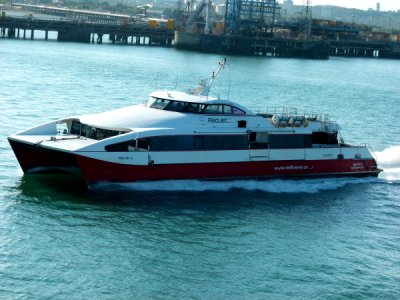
(89, 29)
(240, 32)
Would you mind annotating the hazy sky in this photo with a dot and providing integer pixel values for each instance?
(360, 4)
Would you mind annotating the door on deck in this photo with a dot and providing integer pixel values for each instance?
(258, 145)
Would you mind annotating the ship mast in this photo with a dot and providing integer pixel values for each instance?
(205, 87)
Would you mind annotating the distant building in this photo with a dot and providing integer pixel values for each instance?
(220, 9)
(326, 12)
(378, 6)
(288, 5)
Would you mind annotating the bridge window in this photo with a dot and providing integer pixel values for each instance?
(175, 106)
(172, 105)
(237, 111)
(160, 103)
(194, 108)
(213, 109)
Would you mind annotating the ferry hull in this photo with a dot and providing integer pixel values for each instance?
(94, 170)
(36, 159)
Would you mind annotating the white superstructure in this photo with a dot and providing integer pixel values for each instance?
(176, 135)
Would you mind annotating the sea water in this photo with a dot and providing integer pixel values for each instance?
(244, 239)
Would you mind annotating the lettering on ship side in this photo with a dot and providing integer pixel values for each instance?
(219, 120)
(293, 168)
(125, 158)
(357, 166)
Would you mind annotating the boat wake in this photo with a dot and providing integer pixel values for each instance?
(389, 161)
(310, 186)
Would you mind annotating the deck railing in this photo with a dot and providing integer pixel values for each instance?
(291, 111)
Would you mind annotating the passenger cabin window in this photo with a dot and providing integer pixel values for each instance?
(121, 147)
(254, 140)
(289, 141)
(142, 145)
(92, 132)
(324, 138)
(183, 143)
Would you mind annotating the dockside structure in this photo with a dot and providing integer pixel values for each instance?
(140, 33)
(86, 32)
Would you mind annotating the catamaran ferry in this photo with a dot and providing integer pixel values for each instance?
(190, 135)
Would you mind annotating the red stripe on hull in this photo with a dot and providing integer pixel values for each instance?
(96, 170)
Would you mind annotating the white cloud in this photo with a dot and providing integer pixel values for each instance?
(360, 4)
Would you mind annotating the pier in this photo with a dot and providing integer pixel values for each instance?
(325, 38)
(72, 30)
(259, 46)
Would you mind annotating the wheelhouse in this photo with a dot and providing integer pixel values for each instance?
(202, 106)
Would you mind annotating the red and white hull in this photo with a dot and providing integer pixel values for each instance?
(104, 166)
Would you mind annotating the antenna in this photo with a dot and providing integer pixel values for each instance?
(207, 86)
(204, 87)
(222, 65)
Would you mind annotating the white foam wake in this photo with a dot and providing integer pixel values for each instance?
(389, 161)
(311, 186)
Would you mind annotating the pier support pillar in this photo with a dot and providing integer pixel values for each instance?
(24, 33)
(11, 32)
(112, 38)
(99, 39)
(32, 34)
(46, 35)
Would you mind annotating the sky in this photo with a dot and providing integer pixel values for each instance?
(360, 4)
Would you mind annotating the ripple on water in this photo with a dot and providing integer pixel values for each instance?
(319, 238)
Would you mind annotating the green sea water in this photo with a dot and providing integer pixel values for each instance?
(303, 239)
